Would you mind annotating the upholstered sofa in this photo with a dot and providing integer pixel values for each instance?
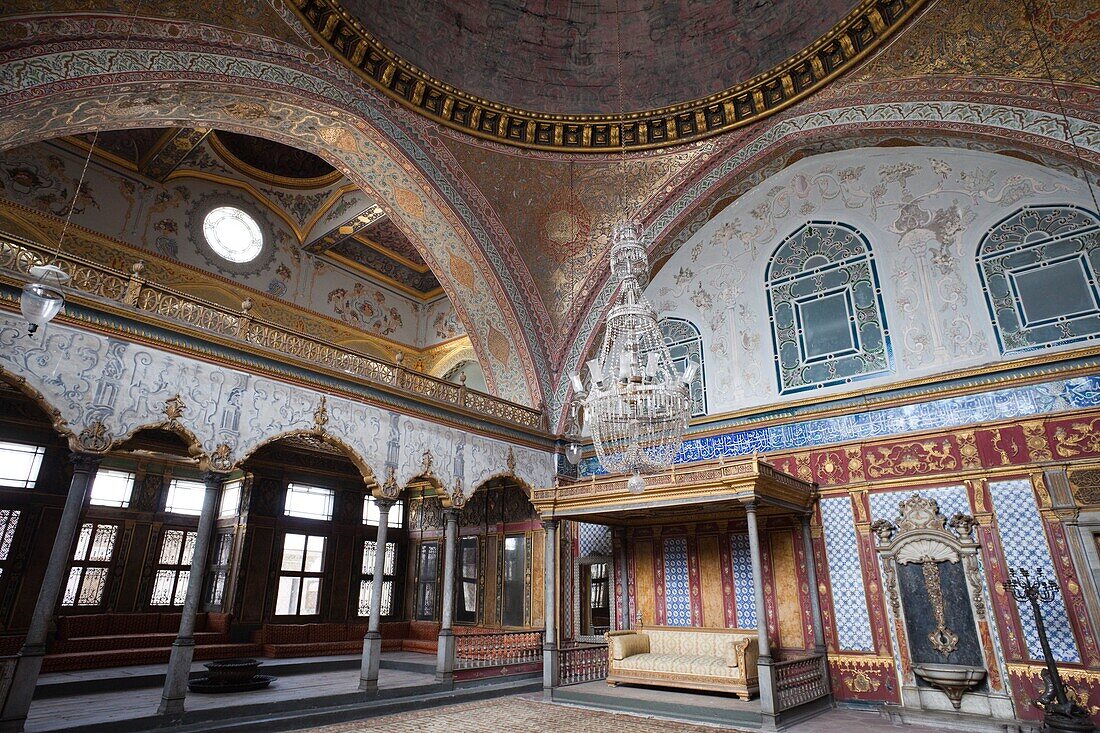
(723, 660)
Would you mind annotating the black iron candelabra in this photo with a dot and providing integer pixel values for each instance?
(1060, 712)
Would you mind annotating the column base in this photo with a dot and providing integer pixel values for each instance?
(175, 681)
(372, 659)
(445, 657)
(21, 691)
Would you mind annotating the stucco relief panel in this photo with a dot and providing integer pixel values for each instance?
(94, 380)
(923, 210)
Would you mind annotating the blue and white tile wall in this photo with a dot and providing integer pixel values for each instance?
(677, 582)
(1025, 545)
(952, 412)
(743, 594)
(951, 500)
(595, 539)
(853, 622)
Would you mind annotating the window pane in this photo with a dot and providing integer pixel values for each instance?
(315, 554)
(162, 588)
(513, 580)
(225, 545)
(364, 597)
(185, 497)
(71, 587)
(181, 587)
(173, 545)
(231, 499)
(294, 548)
(91, 590)
(9, 520)
(112, 488)
(83, 541)
(20, 464)
(826, 324)
(286, 601)
(311, 596)
(217, 588)
(1060, 289)
(103, 545)
(390, 563)
(387, 598)
(369, 556)
(397, 515)
(188, 548)
(308, 502)
(370, 511)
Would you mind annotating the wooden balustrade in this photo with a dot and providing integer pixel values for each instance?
(95, 282)
(497, 649)
(582, 663)
(802, 680)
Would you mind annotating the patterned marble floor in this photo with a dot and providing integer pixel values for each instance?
(529, 714)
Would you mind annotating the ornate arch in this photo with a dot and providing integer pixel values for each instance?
(368, 474)
(57, 421)
(85, 89)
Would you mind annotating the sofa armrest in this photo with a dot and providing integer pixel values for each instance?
(745, 654)
(623, 644)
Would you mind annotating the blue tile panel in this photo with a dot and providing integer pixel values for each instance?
(743, 594)
(1025, 545)
(677, 582)
(595, 539)
(1002, 404)
(853, 622)
(951, 500)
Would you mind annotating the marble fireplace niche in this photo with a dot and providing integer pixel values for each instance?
(933, 579)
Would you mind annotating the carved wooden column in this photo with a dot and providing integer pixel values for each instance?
(372, 642)
(624, 578)
(445, 659)
(183, 648)
(811, 579)
(25, 676)
(550, 667)
(768, 706)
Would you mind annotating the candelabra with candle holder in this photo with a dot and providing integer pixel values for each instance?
(1061, 714)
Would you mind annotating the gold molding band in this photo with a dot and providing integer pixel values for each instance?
(856, 35)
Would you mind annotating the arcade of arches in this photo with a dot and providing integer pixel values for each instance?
(333, 261)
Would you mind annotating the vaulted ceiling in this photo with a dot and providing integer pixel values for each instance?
(509, 202)
(361, 236)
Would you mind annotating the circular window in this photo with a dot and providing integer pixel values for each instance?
(233, 234)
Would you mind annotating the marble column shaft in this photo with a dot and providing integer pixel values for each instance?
(445, 659)
(183, 648)
(29, 664)
(550, 587)
(372, 642)
(768, 705)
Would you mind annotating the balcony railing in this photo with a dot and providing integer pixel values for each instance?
(582, 663)
(799, 681)
(98, 282)
(497, 649)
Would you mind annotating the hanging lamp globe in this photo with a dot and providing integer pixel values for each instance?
(636, 404)
(42, 298)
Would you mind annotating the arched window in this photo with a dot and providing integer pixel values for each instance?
(685, 344)
(1038, 270)
(825, 307)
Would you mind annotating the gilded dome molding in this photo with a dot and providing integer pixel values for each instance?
(837, 51)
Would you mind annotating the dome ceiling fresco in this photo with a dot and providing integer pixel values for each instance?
(561, 58)
(542, 74)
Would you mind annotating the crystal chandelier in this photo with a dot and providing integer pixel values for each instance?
(636, 405)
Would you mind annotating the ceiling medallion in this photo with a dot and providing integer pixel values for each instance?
(838, 50)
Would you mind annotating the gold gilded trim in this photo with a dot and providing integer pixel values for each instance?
(845, 45)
